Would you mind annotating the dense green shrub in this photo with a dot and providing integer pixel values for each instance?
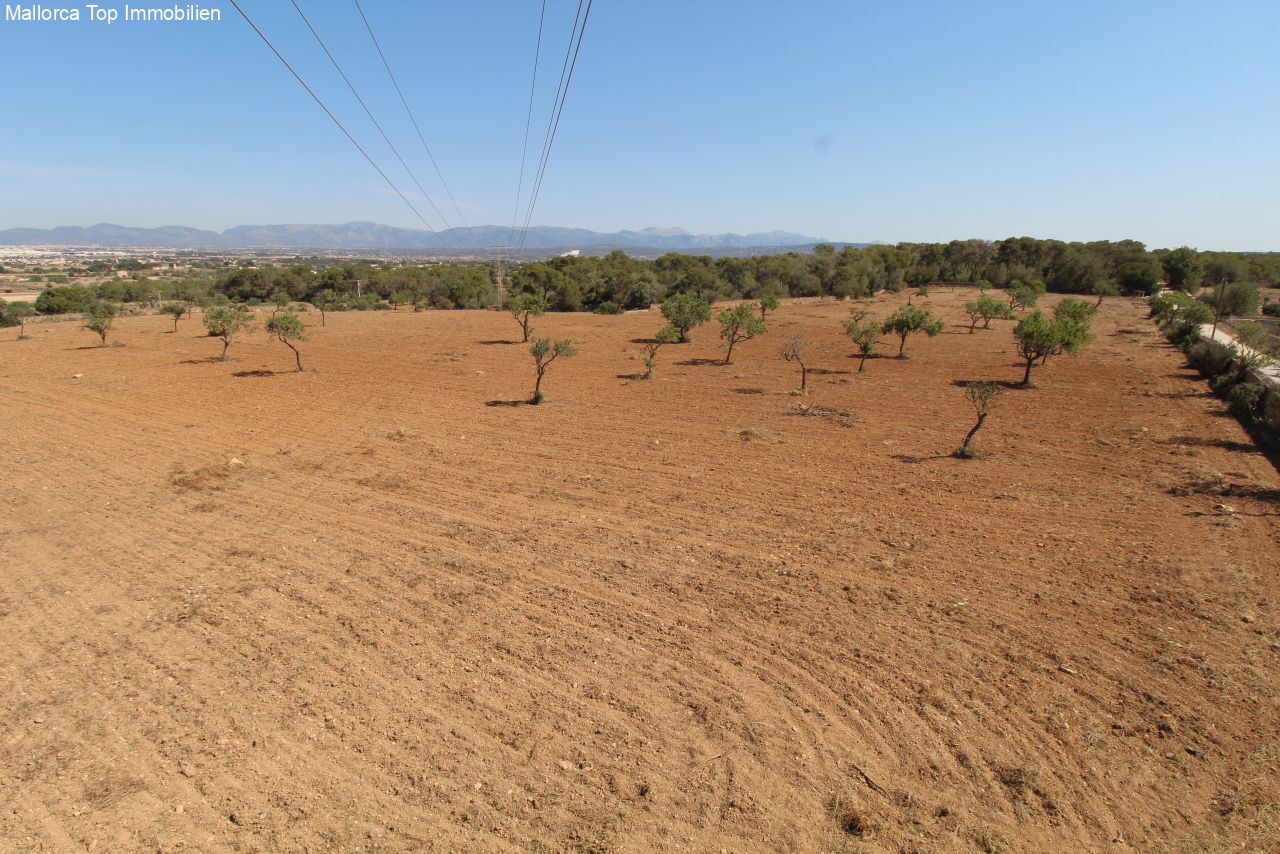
(65, 300)
(1271, 309)
(1245, 400)
(684, 311)
(609, 307)
(1210, 358)
(1184, 335)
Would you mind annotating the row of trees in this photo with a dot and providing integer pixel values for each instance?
(617, 282)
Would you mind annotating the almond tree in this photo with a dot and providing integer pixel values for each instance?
(864, 334)
(684, 311)
(525, 307)
(287, 328)
(99, 319)
(177, 310)
(768, 302)
(544, 353)
(226, 322)
(665, 335)
(983, 396)
(739, 324)
(326, 300)
(796, 349)
(911, 319)
(984, 308)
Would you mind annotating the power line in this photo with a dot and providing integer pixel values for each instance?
(334, 118)
(369, 113)
(528, 122)
(555, 124)
(555, 103)
(412, 118)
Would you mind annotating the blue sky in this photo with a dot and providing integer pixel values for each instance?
(1158, 121)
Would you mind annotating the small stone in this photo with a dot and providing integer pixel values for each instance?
(187, 770)
(76, 376)
(235, 462)
(565, 766)
(1247, 618)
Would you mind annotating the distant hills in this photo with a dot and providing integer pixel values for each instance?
(356, 236)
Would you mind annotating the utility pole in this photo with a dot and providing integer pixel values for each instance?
(1217, 310)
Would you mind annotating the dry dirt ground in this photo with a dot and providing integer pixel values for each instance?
(356, 609)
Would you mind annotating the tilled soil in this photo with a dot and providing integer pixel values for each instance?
(358, 609)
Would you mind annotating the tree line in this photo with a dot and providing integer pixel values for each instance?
(617, 282)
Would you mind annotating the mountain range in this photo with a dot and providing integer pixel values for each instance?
(373, 236)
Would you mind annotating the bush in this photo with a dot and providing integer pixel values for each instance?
(1184, 335)
(684, 311)
(65, 300)
(1222, 384)
(1245, 400)
(608, 307)
(1241, 299)
(1210, 358)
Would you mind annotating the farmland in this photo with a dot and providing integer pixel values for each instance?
(358, 609)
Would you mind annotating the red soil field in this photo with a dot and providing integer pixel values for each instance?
(356, 609)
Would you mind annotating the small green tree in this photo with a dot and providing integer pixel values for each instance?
(739, 324)
(863, 333)
(16, 314)
(1076, 309)
(1039, 338)
(911, 319)
(1025, 294)
(1166, 306)
(684, 311)
(1248, 349)
(326, 300)
(1036, 337)
(226, 322)
(768, 302)
(985, 308)
(796, 349)
(525, 307)
(1103, 288)
(983, 396)
(544, 353)
(287, 328)
(99, 319)
(665, 335)
(280, 300)
(399, 298)
(177, 310)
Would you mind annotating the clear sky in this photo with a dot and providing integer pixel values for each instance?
(858, 121)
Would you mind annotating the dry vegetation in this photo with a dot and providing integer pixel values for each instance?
(355, 609)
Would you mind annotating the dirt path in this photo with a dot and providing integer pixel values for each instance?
(356, 609)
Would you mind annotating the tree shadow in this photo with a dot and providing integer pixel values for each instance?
(261, 372)
(913, 458)
(1176, 395)
(748, 391)
(90, 347)
(1225, 444)
(647, 341)
(507, 403)
(693, 363)
(208, 360)
(825, 372)
(497, 341)
(1002, 383)
(631, 376)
